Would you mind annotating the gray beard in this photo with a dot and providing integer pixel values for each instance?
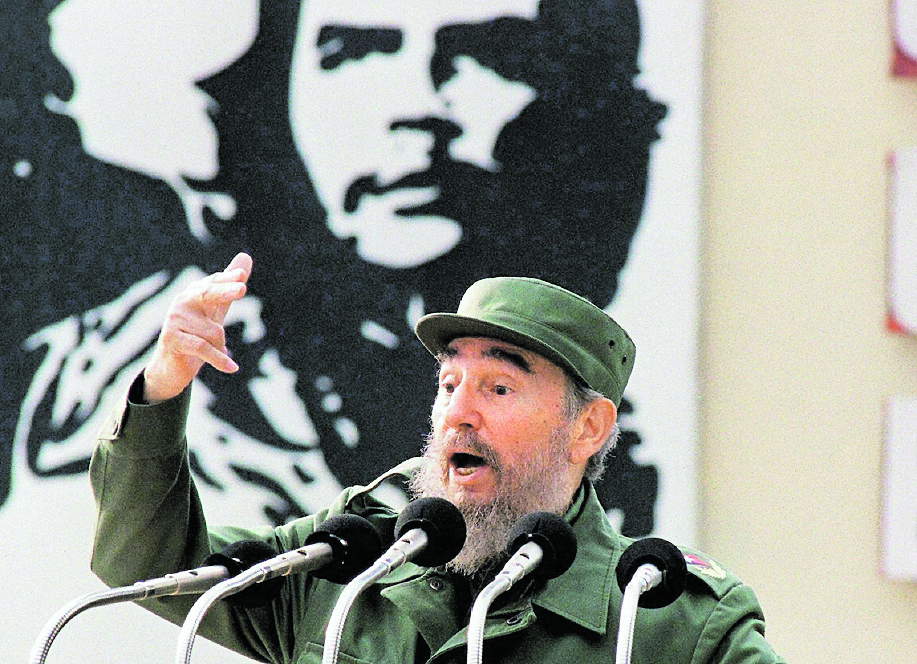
(535, 484)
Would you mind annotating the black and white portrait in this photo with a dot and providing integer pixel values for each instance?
(375, 158)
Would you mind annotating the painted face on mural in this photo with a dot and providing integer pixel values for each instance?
(378, 166)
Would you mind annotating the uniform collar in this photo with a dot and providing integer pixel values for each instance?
(583, 593)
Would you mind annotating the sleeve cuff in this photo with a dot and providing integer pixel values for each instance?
(141, 430)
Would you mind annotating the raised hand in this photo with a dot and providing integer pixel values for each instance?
(193, 332)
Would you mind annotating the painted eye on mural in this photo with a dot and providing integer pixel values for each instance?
(339, 44)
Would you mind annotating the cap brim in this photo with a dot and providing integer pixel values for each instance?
(436, 331)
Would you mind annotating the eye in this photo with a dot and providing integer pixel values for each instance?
(501, 390)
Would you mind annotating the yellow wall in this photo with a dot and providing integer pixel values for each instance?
(800, 114)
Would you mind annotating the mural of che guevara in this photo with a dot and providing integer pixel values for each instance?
(374, 158)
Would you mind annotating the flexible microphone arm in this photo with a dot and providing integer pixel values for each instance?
(652, 574)
(429, 531)
(415, 539)
(544, 544)
(645, 578)
(343, 544)
(319, 554)
(52, 628)
(486, 597)
(235, 557)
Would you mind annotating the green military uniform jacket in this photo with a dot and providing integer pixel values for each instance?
(150, 524)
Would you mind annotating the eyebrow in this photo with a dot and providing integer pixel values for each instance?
(338, 43)
(504, 355)
(496, 352)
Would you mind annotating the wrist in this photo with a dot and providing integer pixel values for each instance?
(147, 392)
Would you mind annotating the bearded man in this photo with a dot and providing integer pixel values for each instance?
(530, 379)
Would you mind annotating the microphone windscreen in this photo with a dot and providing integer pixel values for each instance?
(555, 537)
(354, 542)
(667, 558)
(443, 524)
(238, 557)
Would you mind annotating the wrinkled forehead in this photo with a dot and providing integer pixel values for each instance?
(412, 14)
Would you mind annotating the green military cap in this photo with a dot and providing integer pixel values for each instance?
(559, 325)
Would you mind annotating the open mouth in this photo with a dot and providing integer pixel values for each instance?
(465, 464)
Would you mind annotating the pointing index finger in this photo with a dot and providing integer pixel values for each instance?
(241, 261)
(238, 270)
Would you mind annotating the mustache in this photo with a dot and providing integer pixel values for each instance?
(451, 442)
(369, 185)
(444, 173)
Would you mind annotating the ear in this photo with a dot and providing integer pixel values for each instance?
(591, 429)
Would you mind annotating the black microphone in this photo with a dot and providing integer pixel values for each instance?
(217, 567)
(542, 544)
(668, 562)
(354, 543)
(238, 557)
(429, 532)
(652, 573)
(340, 547)
(547, 536)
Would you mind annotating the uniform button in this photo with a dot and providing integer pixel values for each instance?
(436, 584)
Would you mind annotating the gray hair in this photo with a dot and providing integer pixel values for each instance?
(576, 397)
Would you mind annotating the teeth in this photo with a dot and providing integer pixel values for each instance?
(465, 472)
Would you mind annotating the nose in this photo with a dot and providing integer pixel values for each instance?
(460, 410)
(422, 106)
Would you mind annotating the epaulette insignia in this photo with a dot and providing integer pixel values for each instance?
(704, 566)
